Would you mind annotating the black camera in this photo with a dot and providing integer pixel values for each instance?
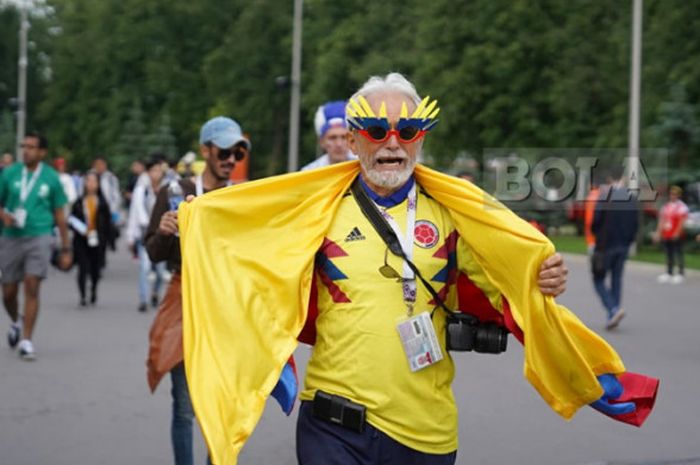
(466, 333)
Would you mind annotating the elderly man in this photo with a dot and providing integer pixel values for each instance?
(378, 384)
(332, 133)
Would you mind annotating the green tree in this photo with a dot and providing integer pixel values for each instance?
(678, 127)
(7, 132)
(162, 139)
(514, 73)
(240, 74)
(133, 139)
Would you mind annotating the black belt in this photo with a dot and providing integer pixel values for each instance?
(339, 410)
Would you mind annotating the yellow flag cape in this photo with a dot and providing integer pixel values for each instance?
(248, 255)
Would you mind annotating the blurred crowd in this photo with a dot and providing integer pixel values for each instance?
(122, 207)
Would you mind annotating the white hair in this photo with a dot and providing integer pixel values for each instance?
(392, 82)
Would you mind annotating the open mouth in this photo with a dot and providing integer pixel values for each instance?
(390, 161)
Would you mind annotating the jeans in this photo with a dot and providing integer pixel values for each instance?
(145, 268)
(611, 296)
(181, 426)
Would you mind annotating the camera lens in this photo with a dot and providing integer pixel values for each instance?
(491, 339)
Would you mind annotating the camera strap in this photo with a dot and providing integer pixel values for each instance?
(388, 235)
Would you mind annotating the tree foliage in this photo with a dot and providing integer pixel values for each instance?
(126, 77)
(37, 71)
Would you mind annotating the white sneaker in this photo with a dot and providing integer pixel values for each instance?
(26, 350)
(615, 319)
(663, 278)
(677, 279)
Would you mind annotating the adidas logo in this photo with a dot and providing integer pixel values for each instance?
(355, 235)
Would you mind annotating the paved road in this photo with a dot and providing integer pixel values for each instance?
(85, 400)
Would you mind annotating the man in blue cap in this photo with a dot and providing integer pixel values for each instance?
(222, 144)
(332, 135)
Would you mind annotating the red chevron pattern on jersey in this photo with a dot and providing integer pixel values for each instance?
(448, 274)
(327, 270)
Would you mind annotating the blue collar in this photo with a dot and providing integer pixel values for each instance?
(391, 200)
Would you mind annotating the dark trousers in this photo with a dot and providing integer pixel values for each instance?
(323, 443)
(611, 296)
(674, 249)
(89, 261)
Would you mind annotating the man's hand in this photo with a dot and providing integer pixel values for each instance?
(7, 219)
(132, 250)
(656, 237)
(168, 224)
(553, 276)
(65, 259)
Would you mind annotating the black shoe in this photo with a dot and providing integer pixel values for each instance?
(143, 307)
(13, 336)
(93, 298)
(82, 302)
(154, 300)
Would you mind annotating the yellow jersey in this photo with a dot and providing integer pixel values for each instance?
(358, 353)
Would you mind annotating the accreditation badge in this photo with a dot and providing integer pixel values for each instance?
(92, 239)
(419, 341)
(20, 216)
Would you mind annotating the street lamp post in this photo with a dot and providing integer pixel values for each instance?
(635, 85)
(22, 79)
(633, 167)
(293, 158)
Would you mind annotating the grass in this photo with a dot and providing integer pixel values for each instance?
(647, 253)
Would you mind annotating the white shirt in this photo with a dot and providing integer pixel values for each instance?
(324, 160)
(142, 201)
(109, 185)
(68, 187)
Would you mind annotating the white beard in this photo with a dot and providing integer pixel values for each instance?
(388, 179)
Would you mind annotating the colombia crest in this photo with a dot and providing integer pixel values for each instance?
(426, 234)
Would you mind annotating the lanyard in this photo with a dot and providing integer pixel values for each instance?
(407, 244)
(199, 186)
(25, 188)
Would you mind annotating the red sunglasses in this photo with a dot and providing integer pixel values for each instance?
(379, 134)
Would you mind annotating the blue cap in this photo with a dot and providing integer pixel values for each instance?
(329, 115)
(222, 132)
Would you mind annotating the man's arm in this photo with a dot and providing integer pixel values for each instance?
(635, 219)
(597, 218)
(5, 217)
(160, 236)
(551, 280)
(66, 256)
